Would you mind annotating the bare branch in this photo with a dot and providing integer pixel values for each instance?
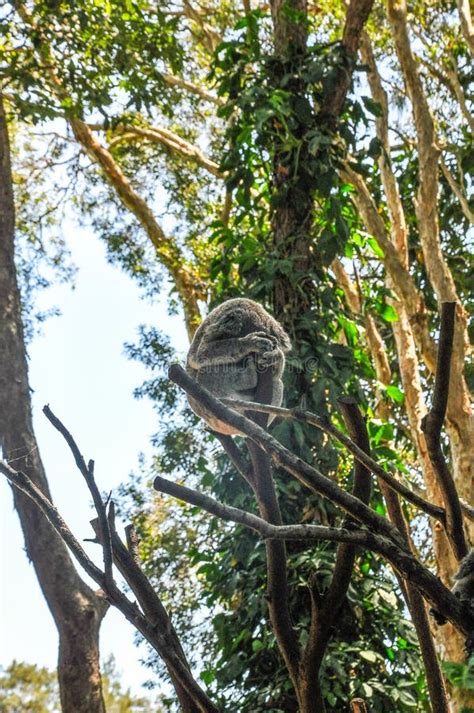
(277, 568)
(170, 140)
(458, 192)
(306, 474)
(192, 88)
(325, 612)
(256, 523)
(404, 561)
(432, 425)
(88, 474)
(195, 701)
(325, 425)
(236, 457)
(23, 483)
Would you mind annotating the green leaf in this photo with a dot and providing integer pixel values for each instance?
(303, 110)
(389, 314)
(394, 393)
(207, 676)
(376, 249)
(372, 106)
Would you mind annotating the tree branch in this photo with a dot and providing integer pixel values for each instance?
(392, 193)
(306, 474)
(402, 560)
(277, 569)
(88, 474)
(195, 700)
(416, 606)
(432, 425)
(356, 17)
(167, 249)
(458, 191)
(402, 281)
(171, 141)
(466, 23)
(325, 425)
(325, 613)
(174, 81)
(428, 154)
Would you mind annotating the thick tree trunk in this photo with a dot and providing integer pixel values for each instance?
(76, 609)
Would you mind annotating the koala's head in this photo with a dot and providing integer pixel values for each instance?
(229, 324)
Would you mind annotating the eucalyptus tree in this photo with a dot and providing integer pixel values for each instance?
(315, 165)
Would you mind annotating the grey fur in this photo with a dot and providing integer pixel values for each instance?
(235, 341)
(464, 579)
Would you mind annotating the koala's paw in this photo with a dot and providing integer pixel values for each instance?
(269, 358)
(260, 342)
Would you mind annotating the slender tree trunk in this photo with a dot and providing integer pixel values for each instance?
(76, 609)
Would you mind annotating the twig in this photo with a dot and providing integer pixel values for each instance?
(87, 472)
(432, 424)
(325, 425)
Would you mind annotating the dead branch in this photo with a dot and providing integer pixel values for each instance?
(87, 471)
(325, 425)
(127, 562)
(194, 699)
(432, 424)
(402, 560)
(306, 474)
(256, 523)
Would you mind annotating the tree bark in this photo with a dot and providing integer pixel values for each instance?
(76, 609)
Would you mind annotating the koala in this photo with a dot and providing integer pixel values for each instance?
(233, 345)
(463, 586)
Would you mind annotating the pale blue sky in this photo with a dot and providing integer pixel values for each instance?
(78, 366)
